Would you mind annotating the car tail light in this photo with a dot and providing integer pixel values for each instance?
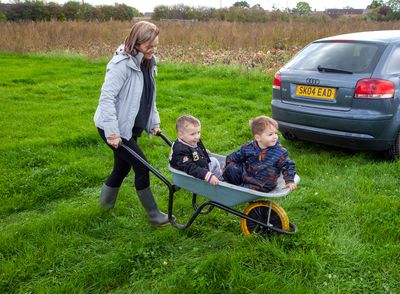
(277, 81)
(374, 89)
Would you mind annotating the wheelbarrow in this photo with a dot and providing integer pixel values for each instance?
(262, 215)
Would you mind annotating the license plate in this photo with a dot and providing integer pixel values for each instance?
(315, 92)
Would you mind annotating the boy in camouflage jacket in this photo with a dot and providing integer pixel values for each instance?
(258, 164)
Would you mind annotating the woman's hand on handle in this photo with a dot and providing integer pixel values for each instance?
(114, 142)
(155, 131)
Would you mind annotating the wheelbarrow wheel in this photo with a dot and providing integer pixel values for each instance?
(259, 211)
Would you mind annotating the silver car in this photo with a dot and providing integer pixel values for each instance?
(343, 91)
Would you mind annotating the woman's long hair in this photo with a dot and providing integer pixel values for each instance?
(141, 32)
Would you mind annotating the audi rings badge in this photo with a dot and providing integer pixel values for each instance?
(313, 82)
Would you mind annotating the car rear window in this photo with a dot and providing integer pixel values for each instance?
(393, 63)
(347, 56)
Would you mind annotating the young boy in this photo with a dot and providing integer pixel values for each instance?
(257, 165)
(189, 155)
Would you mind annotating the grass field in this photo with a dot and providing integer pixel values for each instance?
(55, 239)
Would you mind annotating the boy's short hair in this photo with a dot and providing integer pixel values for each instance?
(183, 121)
(260, 123)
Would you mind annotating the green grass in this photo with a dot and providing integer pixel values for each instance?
(55, 239)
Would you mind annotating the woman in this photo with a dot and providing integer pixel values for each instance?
(127, 107)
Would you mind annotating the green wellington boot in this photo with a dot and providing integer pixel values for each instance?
(156, 217)
(108, 196)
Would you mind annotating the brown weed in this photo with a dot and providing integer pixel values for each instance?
(264, 45)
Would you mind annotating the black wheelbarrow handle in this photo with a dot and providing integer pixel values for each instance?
(146, 164)
(152, 169)
(160, 134)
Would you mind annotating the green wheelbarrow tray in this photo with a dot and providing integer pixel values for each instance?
(225, 193)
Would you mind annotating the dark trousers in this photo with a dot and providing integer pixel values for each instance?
(233, 173)
(124, 161)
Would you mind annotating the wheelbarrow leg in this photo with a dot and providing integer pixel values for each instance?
(172, 219)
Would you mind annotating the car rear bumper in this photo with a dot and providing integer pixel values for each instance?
(335, 138)
(349, 130)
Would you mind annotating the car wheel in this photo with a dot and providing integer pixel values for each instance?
(289, 136)
(394, 152)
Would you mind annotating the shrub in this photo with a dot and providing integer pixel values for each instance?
(3, 17)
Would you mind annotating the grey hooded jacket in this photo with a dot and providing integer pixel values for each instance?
(120, 96)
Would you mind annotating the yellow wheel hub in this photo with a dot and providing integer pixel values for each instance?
(259, 210)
